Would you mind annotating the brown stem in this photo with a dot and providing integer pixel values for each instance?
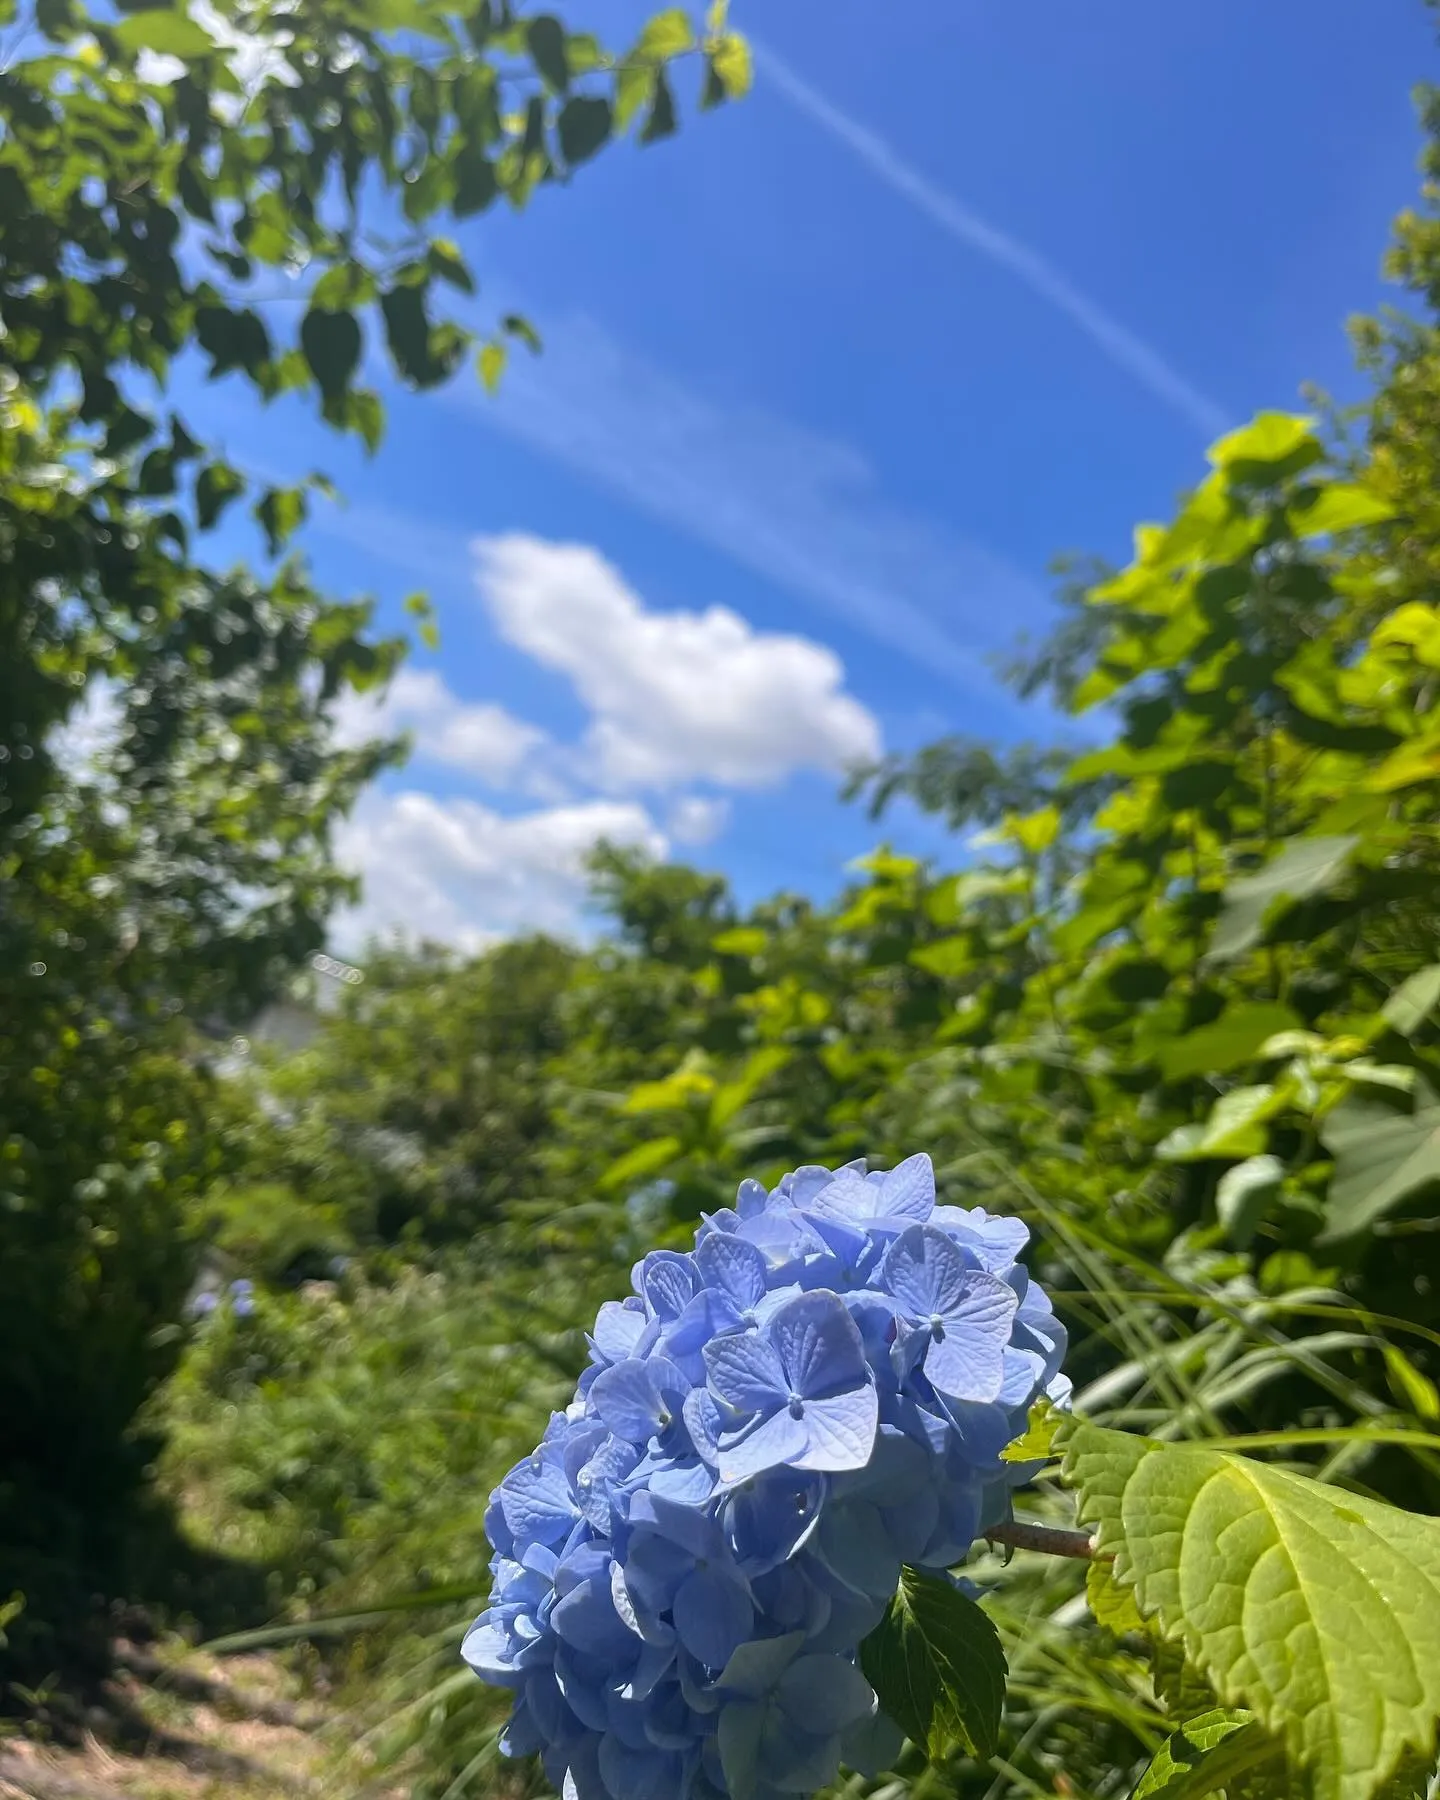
(1049, 1538)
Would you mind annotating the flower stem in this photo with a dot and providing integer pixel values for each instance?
(1018, 1535)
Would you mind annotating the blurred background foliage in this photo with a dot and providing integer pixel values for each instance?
(1175, 1003)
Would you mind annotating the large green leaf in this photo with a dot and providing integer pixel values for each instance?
(1307, 866)
(1204, 1755)
(1317, 1609)
(936, 1663)
(1413, 1001)
(1382, 1157)
(169, 33)
(1234, 1038)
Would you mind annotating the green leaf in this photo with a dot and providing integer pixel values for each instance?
(947, 957)
(1317, 1609)
(1235, 1127)
(634, 88)
(167, 33)
(476, 183)
(1413, 1001)
(1270, 447)
(741, 940)
(1038, 1437)
(491, 364)
(1112, 1603)
(516, 325)
(331, 342)
(643, 1160)
(215, 487)
(730, 63)
(545, 40)
(669, 33)
(1306, 866)
(584, 125)
(661, 121)
(936, 1664)
(1243, 1196)
(1340, 506)
(1382, 1157)
(1234, 1038)
(1411, 1388)
(1204, 1756)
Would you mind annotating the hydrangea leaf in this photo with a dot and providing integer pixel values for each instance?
(1203, 1756)
(936, 1664)
(1317, 1609)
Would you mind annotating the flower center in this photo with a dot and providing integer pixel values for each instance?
(797, 1407)
(937, 1326)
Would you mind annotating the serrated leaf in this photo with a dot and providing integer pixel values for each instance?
(1205, 1755)
(1112, 1603)
(1317, 1609)
(1306, 866)
(936, 1664)
(1035, 1444)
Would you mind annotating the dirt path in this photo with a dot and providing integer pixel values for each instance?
(179, 1727)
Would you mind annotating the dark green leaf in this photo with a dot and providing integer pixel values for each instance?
(1305, 867)
(1382, 1157)
(584, 125)
(1234, 1038)
(661, 121)
(215, 487)
(936, 1664)
(332, 343)
(545, 38)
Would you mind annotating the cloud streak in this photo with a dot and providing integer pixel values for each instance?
(1125, 349)
(802, 510)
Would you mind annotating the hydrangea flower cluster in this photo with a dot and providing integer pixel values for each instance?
(768, 1428)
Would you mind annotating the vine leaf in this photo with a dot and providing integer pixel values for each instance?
(936, 1664)
(1317, 1609)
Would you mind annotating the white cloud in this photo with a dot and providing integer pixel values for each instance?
(675, 697)
(800, 509)
(479, 739)
(696, 819)
(460, 873)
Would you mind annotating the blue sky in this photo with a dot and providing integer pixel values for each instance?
(849, 362)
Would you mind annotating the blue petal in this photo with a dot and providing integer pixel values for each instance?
(825, 1694)
(854, 1544)
(908, 1190)
(620, 1329)
(735, 1267)
(779, 1439)
(755, 1667)
(628, 1398)
(925, 1272)
(746, 1373)
(667, 1281)
(818, 1345)
(968, 1361)
(537, 1502)
(713, 1616)
(839, 1431)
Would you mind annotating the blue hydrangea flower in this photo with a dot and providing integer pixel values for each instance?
(769, 1427)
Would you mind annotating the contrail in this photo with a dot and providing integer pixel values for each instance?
(1120, 344)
